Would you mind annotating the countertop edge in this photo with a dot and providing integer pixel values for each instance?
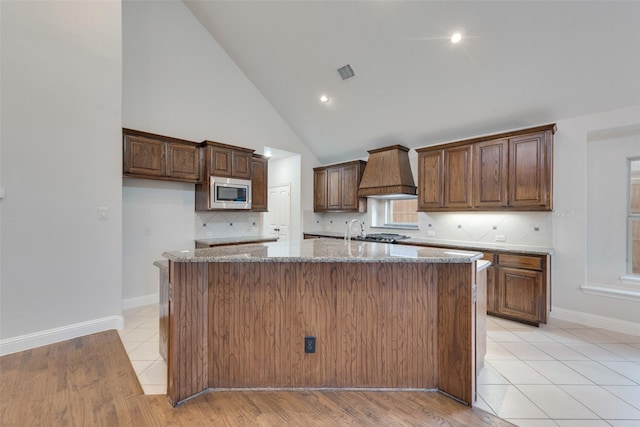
(248, 253)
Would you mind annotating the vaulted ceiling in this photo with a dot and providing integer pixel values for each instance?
(520, 63)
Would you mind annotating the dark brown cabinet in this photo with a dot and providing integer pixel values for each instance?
(530, 171)
(517, 287)
(320, 190)
(259, 188)
(234, 162)
(336, 188)
(457, 170)
(509, 171)
(228, 161)
(430, 180)
(490, 174)
(151, 156)
(445, 178)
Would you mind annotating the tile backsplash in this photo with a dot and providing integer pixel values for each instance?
(515, 228)
(227, 224)
(511, 228)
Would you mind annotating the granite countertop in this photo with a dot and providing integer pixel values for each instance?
(236, 240)
(454, 244)
(533, 250)
(323, 250)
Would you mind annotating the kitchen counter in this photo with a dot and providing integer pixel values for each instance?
(326, 314)
(236, 240)
(324, 250)
(453, 244)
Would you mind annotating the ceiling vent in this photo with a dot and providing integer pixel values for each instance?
(387, 173)
(346, 72)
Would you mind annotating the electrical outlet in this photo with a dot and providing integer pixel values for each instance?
(431, 234)
(309, 344)
(501, 238)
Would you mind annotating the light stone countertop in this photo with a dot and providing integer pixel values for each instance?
(323, 250)
(454, 244)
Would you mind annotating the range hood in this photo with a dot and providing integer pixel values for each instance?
(387, 174)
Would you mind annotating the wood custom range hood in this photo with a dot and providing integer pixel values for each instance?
(388, 173)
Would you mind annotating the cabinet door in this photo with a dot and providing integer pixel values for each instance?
(259, 187)
(520, 294)
(144, 156)
(320, 190)
(334, 188)
(490, 170)
(183, 161)
(219, 161)
(241, 162)
(457, 169)
(350, 180)
(530, 171)
(430, 180)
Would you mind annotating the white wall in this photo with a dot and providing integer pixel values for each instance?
(178, 81)
(570, 234)
(61, 160)
(154, 213)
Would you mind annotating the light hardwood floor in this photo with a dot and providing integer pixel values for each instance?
(89, 381)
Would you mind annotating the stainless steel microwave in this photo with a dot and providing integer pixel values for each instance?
(229, 193)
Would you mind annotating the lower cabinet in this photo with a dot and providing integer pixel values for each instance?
(517, 287)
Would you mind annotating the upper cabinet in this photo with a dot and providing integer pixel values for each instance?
(259, 176)
(228, 161)
(336, 187)
(151, 156)
(491, 174)
(508, 171)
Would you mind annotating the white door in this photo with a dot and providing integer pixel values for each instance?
(279, 216)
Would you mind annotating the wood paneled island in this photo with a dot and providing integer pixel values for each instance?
(383, 316)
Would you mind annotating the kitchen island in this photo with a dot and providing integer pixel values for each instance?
(383, 317)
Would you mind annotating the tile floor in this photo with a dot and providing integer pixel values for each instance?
(561, 374)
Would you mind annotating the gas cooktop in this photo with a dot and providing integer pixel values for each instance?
(381, 237)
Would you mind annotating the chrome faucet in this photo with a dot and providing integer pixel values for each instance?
(347, 235)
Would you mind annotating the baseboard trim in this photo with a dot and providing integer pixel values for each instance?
(63, 333)
(595, 321)
(140, 301)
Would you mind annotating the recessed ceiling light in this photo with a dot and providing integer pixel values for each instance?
(456, 37)
(324, 99)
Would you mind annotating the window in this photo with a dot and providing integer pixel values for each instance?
(401, 212)
(394, 212)
(633, 252)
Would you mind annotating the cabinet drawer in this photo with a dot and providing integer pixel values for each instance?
(520, 261)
